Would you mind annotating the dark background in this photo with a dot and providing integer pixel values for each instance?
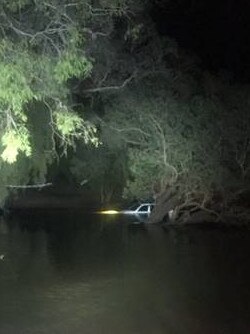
(217, 31)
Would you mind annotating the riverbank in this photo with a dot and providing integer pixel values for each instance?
(60, 199)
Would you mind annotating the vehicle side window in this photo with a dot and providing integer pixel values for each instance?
(151, 208)
(144, 208)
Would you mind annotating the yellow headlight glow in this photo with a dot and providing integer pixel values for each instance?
(109, 212)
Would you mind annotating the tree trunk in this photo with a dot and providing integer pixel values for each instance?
(165, 202)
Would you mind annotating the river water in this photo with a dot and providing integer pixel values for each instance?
(72, 273)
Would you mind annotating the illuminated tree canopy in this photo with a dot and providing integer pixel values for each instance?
(43, 53)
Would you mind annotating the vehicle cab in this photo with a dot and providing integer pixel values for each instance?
(143, 208)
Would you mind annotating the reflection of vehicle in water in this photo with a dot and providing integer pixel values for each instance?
(142, 209)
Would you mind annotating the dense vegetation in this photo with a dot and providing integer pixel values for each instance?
(132, 112)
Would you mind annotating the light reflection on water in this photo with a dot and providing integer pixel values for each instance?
(80, 274)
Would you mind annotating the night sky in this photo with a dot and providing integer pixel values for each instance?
(217, 31)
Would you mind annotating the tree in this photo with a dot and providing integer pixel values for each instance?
(184, 143)
(75, 73)
(44, 48)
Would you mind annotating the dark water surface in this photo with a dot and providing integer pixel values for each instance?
(72, 273)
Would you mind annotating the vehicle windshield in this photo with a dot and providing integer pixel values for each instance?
(143, 208)
(134, 206)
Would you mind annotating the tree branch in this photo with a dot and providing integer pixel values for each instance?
(43, 185)
(94, 34)
(110, 88)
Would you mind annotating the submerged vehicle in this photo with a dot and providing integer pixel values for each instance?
(138, 209)
(143, 208)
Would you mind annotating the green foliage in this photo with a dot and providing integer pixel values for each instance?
(71, 127)
(15, 141)
(15, 90)
(33, 169)
(71, 65)
(67, 122)
(145, 172)
(24, 81)
(31, 73)
(42, 47)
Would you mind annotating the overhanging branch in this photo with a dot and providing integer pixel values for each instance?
(110, 88)
(43, 185)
